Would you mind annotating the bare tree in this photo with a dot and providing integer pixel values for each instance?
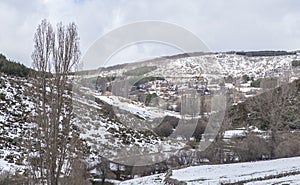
(53, 146)
(79, 175)
(104, 168)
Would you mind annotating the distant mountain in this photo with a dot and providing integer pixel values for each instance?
(211, 65)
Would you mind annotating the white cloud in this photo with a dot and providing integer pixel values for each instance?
(222, 25)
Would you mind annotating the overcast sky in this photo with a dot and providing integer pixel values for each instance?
(221, 24)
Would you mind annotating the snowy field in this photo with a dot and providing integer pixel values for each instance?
(231, 173)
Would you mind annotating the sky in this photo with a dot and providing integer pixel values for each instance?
(223, 25)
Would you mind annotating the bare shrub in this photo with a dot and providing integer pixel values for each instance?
(289, 147)
(252, 148)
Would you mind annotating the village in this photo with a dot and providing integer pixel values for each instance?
(159, 85)
(168, 93)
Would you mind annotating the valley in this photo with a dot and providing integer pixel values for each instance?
(154, 116)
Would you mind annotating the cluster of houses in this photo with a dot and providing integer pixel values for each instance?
(167, 93)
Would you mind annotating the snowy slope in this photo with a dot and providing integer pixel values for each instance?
(216, 66)
(232, 173)
(226, 65)
(95, 120)
(15, 107)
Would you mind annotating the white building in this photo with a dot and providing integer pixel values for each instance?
(298, 55)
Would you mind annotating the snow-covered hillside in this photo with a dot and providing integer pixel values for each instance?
(94, 119)
(226, 65)
(279, 171)
(214, 66)
(15, 107)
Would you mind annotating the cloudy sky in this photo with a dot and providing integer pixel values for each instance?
(221, 24)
